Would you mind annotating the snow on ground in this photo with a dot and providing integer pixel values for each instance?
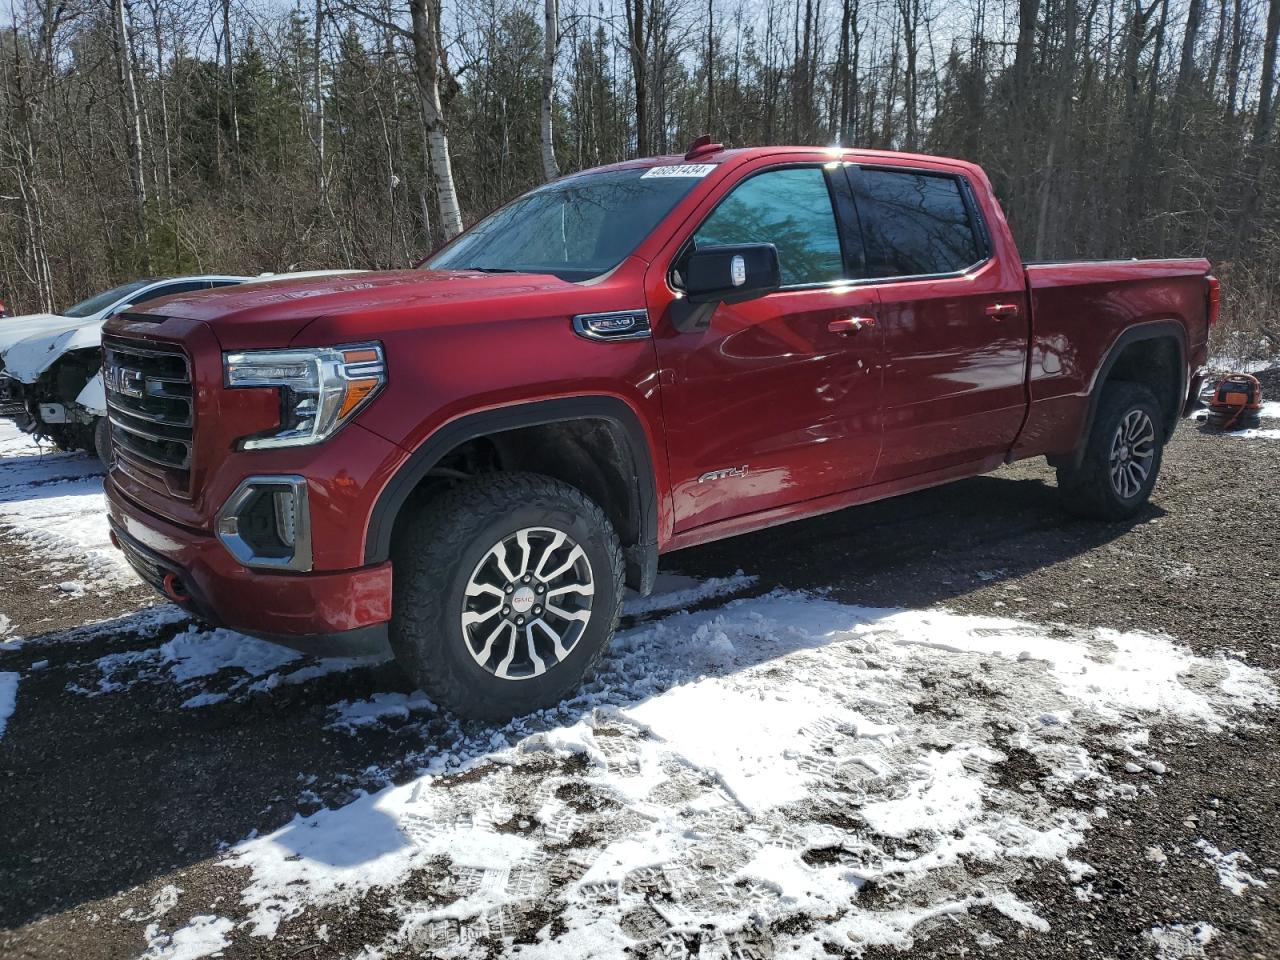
(351, 715)
(1180, 941)
(780, 772)
(54, 502)
(8, 698)
(1255, 433)
(1231, 868)
(213, 666)
(164, 900)
(204, 936)
(195, 656)
(673, 591)
(1222, 364)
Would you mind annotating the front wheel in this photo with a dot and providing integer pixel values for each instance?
(507, 590)
(1122, 456)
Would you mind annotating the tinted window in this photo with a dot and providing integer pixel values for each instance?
(170, 289)
(914, 224)
(790, 209)
(574, 228)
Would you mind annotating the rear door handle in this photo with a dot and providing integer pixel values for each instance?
(849, 325)
(1002, 310)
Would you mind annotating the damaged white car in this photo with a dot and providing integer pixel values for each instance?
(51, 364)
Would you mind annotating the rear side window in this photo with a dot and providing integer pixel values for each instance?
(915, 223)
(171, 289)
(789, 208)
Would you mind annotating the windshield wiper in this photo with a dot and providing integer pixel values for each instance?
(491, 269)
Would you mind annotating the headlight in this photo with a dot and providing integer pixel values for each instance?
(321, 388)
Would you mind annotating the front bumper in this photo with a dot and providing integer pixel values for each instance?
(326, 614)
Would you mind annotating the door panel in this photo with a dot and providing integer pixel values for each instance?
(955, 378)
(955, 336)
(777, 400)
(770, 389)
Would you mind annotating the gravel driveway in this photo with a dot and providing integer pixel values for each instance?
(959, 721)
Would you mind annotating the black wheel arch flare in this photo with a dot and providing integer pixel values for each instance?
(1151, 330)
(642, 557)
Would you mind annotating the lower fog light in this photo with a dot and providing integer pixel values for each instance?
(265, 523)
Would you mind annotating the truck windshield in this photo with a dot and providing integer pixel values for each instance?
(575, 229)
(87, 308)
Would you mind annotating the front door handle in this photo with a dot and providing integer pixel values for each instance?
(1002, 310)
(849, 325)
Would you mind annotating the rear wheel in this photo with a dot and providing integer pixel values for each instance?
(507, 590)
(1122, 457)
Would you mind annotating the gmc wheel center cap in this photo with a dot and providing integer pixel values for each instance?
(522, 600)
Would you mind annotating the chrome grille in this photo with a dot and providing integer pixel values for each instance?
(149, 404)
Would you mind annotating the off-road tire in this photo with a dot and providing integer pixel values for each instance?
(102, 440)
(433, 557)
(1088, 491)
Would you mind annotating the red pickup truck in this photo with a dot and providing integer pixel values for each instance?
(470, 459)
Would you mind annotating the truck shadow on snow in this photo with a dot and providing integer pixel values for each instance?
(108, 781)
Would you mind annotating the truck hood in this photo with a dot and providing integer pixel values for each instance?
(273, 313)
(13, 329)
(28, 359)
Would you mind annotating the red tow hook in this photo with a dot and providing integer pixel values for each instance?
(173, 589)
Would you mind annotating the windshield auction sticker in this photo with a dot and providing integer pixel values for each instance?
(680, 170)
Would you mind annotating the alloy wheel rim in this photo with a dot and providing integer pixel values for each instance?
(1133, 449)
(527, 603)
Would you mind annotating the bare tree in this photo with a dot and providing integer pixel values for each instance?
(132, 115)
(639, 30)
(551, 38)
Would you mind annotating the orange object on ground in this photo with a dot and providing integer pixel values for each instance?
(1236, 403)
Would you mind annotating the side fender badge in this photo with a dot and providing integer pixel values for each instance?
(617, 325)
(712, 475)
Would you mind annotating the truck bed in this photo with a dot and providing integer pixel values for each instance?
(1079, 311)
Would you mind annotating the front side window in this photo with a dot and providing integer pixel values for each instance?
(575, 229)
(789, 208)
(914, 224)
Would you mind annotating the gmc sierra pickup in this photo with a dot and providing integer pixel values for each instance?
(469, 460)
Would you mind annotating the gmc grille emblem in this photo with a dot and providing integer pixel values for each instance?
(126, 381)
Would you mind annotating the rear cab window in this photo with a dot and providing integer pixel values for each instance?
(916, 223)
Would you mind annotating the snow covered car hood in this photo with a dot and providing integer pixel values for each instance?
(27, 359)
(14, 329)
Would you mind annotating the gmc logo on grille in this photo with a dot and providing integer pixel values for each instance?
(125, 380)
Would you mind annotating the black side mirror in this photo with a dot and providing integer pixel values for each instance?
(732, 273)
